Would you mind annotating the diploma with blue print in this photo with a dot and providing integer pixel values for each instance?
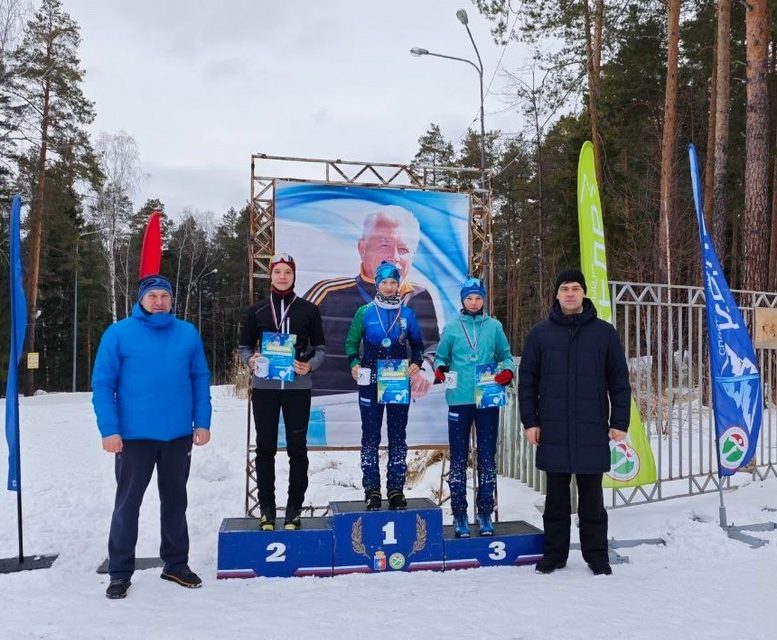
(488, 393)
(393, 382)
(278, 348)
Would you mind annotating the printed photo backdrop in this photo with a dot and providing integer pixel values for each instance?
(424, 232)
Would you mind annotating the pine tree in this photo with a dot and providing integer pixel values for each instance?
(434, 151)
(755, 236)
(47, 96)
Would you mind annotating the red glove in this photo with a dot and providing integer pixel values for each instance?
(440, 372)
(504, 377)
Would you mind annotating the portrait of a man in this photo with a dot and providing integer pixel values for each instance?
(389, 233)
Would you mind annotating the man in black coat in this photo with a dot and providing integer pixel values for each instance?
(575, 396)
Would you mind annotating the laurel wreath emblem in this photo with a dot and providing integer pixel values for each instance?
(357, 542)
(357, 537)
(420, 535)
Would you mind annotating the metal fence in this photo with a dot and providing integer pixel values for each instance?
(664, 335)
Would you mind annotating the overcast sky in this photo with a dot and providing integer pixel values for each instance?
(203, 85)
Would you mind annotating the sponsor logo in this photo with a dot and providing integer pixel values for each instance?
(624, 461)
(379, 561)
(396, 561)
(733, 444)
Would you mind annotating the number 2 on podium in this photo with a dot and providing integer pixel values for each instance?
(277, 552)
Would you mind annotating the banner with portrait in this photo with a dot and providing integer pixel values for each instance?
(337, 235)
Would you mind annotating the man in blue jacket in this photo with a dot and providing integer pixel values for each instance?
(575, 396)
(151, 395)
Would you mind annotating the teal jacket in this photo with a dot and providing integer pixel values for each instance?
(454, 351)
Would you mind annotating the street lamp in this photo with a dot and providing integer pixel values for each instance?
(199, 297)
(418, 51)
(75, 304)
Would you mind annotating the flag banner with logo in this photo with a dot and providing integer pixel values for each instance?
(737, 397)
(18, 317)
(632, 461)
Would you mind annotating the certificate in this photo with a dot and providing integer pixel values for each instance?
(488, 393)
(393, 382)
(278, 348)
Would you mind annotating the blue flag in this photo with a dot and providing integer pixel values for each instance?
(736, 383)
(18, 329)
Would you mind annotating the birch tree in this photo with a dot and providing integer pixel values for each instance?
(119, 162)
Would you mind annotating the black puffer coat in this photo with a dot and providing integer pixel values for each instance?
(573, 383)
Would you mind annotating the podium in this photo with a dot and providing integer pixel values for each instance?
(352, 540)
(245, 551)
(386, 540)
(513, 543)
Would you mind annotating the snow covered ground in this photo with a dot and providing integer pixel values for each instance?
(700, 585)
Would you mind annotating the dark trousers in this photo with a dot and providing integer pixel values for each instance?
(590, 510)
(396, 425)
(134, 467)
(267, 405)
(460, 418)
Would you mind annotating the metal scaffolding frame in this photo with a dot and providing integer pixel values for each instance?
(261, 240)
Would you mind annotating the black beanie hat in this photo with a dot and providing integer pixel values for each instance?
(570, 275)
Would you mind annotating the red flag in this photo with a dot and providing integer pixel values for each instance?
(151, 252)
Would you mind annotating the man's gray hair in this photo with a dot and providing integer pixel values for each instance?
(394, 216)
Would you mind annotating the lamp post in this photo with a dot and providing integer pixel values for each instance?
(199, 297)
(75, 304)
(418, 51)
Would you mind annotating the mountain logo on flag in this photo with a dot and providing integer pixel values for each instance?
(624, 461)
(733, 447)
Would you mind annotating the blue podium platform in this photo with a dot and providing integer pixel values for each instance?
(386, 540)
(352, 540)
(513, 543)
(245, 551)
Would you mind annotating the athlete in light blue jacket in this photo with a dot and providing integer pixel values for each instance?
(473, 338)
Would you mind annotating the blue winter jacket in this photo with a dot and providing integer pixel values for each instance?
(368, 329)
(573, 383)
(454, 351)
(150, 378)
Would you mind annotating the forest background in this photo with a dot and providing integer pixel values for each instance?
(640, 78)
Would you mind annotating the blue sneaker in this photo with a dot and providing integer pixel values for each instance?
(461, 526)
(485, 524)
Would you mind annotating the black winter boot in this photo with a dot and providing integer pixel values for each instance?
(373, 500)
(396, 500)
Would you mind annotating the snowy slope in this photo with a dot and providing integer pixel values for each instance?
(700, 585)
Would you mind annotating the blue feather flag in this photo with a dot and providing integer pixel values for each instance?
(737, 395)
(18, 307)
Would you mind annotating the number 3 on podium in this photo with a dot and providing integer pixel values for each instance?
(497, 550)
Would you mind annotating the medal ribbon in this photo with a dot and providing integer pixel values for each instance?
(473, 344)
(284, 315)
(382, 326)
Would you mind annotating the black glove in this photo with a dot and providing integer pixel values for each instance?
(303, 355)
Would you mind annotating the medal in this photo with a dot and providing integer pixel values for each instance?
(386, 342)
(473, 341)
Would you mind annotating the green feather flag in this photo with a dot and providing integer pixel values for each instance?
(632, 460)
